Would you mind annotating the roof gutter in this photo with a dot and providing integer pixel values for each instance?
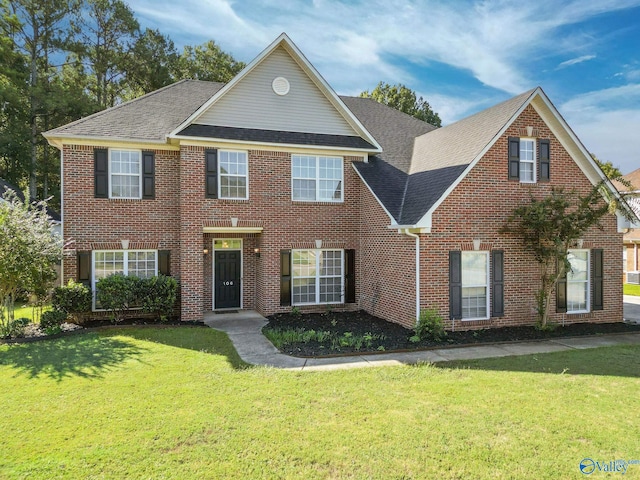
(407, 232)
(409, 228)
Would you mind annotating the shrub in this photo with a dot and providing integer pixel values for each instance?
(15, 328)
(159, 295)
(52, 319)
(118, 294)
(430, 326)
(72, 298)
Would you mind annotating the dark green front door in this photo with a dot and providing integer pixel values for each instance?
(227, 279)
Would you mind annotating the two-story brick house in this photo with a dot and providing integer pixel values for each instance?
(271, 191)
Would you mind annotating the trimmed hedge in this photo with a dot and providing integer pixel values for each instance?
(120, 294)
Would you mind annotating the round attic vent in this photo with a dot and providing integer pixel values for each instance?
(280, 85)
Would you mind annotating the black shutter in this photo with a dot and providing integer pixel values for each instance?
(211, 173)
(514, 158)
(545, 152)
(285, 278)
(561, 293)
(101, 173)
(455, 285)
(597, 266)
(497, 283)
(164, 262)
(84, 268)
(349, 276)
(148, 175)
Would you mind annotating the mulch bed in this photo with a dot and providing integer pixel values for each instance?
(397, 337)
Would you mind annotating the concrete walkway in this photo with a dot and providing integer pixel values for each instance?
(244, 330)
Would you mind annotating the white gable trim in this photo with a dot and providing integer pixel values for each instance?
(295, 53)
(578, 152)
(425, 221)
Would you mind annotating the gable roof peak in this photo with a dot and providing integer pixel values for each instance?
(309, 70)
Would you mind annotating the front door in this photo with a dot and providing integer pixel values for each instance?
(227, 279)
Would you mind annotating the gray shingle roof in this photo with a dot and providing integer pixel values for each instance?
(275, 136)
(427, 164)
(147, 118)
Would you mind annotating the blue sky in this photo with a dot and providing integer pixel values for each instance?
(461, 56)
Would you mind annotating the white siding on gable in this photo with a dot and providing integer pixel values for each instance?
(252, 103)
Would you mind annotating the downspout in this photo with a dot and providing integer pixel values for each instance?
(62, 282)
(417, 237)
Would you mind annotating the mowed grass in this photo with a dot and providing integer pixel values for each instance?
(631, 289)
(179, 403)
(30, 312)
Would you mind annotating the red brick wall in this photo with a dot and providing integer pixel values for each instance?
(387, 274)
(385, 259)
(286, 224)
(90, 221)
(479, 206)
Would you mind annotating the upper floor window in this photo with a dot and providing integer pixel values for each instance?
(316, 179)
(120, 173)
(529, 160)
(232, 170)
(125, 173)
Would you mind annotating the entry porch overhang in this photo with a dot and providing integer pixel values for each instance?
(232, 226)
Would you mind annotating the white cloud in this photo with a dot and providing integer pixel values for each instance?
(490, 40)
(608, 122)
(576, 60)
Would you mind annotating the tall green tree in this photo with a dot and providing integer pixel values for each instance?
(404, 99)
(104, 36)
(207, 62)
(14, 107)
(38, 33)
(153, 63)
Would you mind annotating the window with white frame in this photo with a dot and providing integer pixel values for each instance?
(125, 173)
(317, 276)
(232, 171)
(578, 281)
(316, 179)
(141, 263)
(475, 285)
(527, 160)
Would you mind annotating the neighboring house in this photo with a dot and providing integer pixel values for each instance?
(272, 191)
(631, 239)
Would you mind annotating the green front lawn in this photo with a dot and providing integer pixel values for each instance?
(631, 289)
(179, 403)
(30, 312)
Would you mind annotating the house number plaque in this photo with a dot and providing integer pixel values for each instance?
(228, 283)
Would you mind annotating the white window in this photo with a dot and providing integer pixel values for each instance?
(475, 285)
(316, 179)
(578, 281)
(125, 179)
(317, 276)
(232, 171)
(141, 263)
(527, 160)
